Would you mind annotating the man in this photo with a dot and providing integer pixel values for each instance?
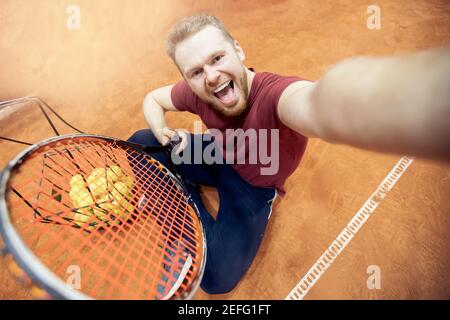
(393, 104)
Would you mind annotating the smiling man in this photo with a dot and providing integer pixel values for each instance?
(223, 81)
(392, 104)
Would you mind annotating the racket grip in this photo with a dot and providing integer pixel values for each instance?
(176, 139)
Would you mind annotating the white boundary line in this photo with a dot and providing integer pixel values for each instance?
(344, 238)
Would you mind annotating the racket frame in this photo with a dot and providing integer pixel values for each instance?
(25, 258)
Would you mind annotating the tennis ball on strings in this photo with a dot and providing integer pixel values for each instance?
(118, 213)
(100, 213)
(82, 216)
(105, 202)
(124, 189)
(126, 205)
(121, 188)
(121, 205)
(76, 192)
(95, 174)
(129, 181)
(114, 173)
(84, 199)
(77, 180)
(122, 211)
(99, 186)
(99, 172)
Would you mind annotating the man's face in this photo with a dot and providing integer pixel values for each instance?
(213, 67)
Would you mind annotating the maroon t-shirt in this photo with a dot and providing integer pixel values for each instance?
(261, 114)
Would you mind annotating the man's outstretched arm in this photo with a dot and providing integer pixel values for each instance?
(398, 104)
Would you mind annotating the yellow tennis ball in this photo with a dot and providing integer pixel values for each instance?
(129, 181)
(105, 202)
(121, 207)
(114, 173)
(75, 191)
(100, 213)
(120, 212)
(95, 174)
(77, 180)
(85, 199)
(121, 188)
(82, 216)
(99, 186)
(99, 172)
(128, 206)
(78, 193)
(91, 179)
(116, 198)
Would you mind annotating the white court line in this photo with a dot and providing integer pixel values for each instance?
(344, 238)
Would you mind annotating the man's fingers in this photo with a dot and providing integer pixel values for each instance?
(164, 135)
(164, 140)
(168, 132)
(184, 141)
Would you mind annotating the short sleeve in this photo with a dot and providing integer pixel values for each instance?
(274, 86)
(183, 98)
(278, 88)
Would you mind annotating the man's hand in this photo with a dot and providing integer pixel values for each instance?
(164, 135)
(156, 103)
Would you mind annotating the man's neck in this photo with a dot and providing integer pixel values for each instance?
(250, 76)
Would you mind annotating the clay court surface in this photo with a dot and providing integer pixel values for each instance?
(96, 78)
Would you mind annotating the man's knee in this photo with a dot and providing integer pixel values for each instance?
(220, 283)
(144, 136)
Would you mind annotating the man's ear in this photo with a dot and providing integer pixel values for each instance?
(239, 50)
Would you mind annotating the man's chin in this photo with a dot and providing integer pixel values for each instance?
(231, 111)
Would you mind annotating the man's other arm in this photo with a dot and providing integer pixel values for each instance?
(398, 104)
(156, 104)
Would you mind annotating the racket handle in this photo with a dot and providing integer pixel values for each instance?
(176, 139)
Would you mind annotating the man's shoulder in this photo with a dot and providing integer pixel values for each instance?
(269, 86)
(269, 77)
(183, 98)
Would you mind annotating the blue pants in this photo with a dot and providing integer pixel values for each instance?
(234, 237)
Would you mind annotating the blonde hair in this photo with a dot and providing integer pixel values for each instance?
(189, 26)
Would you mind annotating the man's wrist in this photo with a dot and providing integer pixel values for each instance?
(158, 131)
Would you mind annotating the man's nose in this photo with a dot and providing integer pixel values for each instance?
(212, 75)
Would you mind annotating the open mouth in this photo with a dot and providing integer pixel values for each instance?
(225, 92)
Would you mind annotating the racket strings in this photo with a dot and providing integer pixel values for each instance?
(124, 255)
(170, 221)
(54, 169)
(130, 251)
(47, 176)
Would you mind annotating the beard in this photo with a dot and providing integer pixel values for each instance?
(240, 106)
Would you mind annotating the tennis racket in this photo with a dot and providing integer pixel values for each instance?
(88, 216)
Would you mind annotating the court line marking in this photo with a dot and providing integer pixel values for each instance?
(344, 238)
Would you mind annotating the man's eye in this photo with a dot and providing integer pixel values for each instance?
(216, 59)
(196, 73)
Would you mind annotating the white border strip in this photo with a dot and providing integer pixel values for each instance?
(344, 238)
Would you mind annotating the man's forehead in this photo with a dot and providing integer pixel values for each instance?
(199, 47)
